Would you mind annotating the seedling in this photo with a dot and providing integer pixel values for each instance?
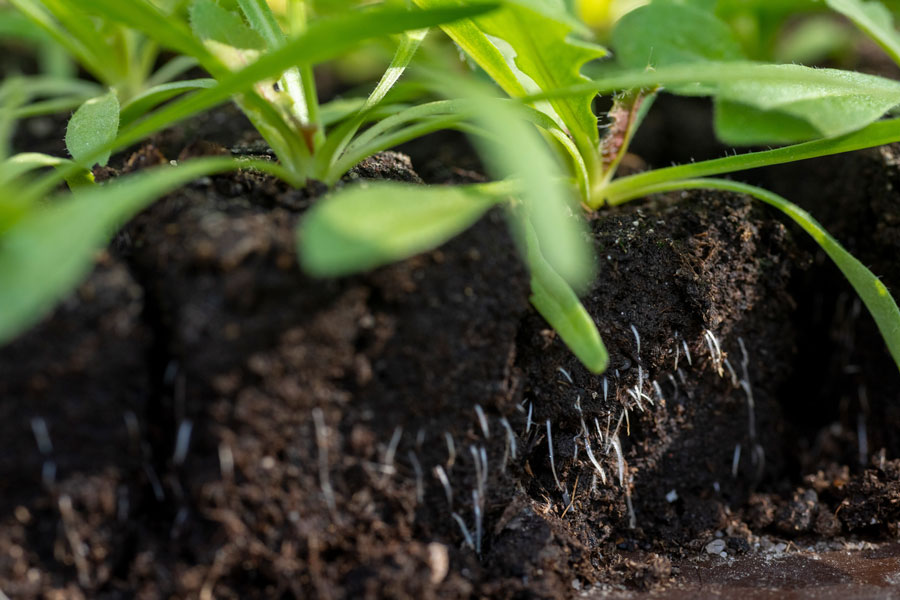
(103, 124)
(689, 51)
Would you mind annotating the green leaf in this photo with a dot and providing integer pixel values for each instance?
(756, 112)
(322, 40)
(467, 35)
(71, 31)
(875, 20)
(169, 31)
(45, 254)
(514, 150)
(543, 53)
(369, 225)
(212, 23)
(263, 21)
(94, 125)
(831, 101)
(560, 307)
(748, 112)
(667, 33)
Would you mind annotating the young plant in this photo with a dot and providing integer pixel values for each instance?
(268, 72)
(121, 60)
(528, 50)
(42, 231)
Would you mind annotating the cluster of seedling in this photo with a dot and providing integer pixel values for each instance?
(539, 140)
(541, 143)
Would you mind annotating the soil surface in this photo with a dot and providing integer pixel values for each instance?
(200, 419)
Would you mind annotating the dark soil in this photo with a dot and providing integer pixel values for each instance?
(221, 426)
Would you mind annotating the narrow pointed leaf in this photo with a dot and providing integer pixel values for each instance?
(560, 307)
(322, 40)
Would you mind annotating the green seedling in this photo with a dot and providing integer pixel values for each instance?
(57, 234)
(122, 62)
(529, 51)
(266, 67)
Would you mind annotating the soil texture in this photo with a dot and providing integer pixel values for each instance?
(200, 419)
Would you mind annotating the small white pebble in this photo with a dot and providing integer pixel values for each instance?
(672, 496)
(715, 547)
(438, 562)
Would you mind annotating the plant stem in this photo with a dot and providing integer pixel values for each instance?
(623, 189)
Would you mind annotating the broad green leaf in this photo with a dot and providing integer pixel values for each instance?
(545, 53)
(667, 33)
(830, 101)
(875, 20)
(467, 35)
(47, 252)
(212, 23)
(560, 307)
(748, 112)
(225, 34)
(739, 124)
(94, 125)
(373, 224)
(754, 112)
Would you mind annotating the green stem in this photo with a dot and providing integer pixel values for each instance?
(623, 189)
(359, 152)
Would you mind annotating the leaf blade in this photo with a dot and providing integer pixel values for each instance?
(370, 225)
(46, 252)
(555, 300)
(94, 125)
(875, 20)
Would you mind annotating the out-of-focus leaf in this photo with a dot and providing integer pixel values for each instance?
(875, 20)
(558, 304)
(46, 252)
(369, 225)
(666, 32)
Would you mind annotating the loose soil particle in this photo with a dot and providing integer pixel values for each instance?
(223, 426)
